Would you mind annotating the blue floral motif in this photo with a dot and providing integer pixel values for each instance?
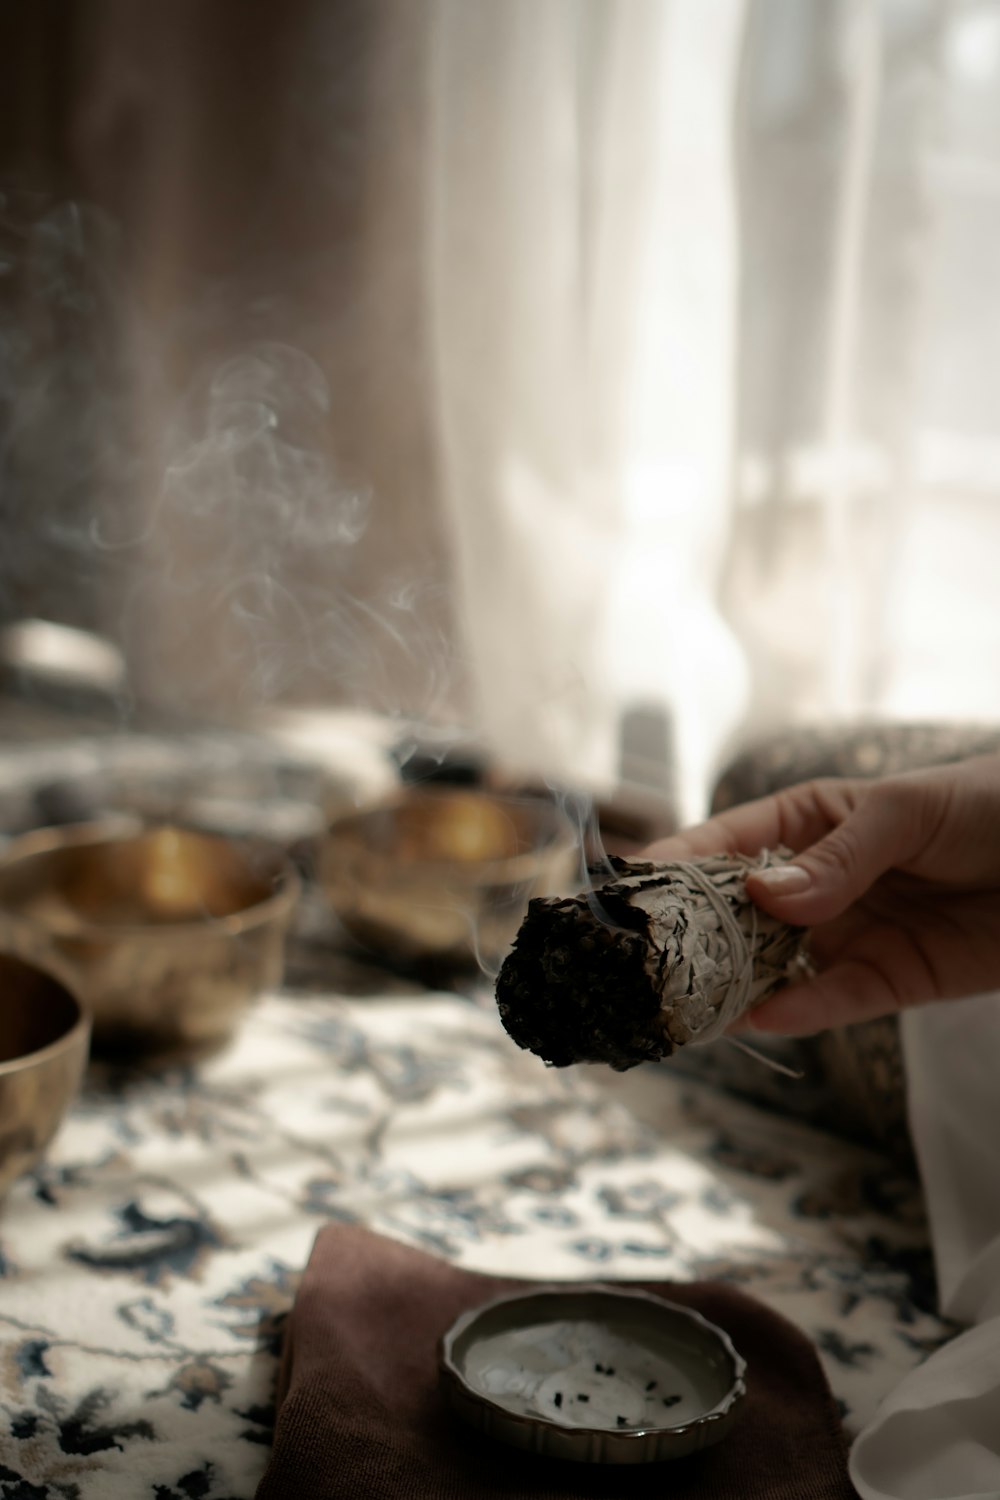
(556, 1215)
(173, 1218)
(29, 1358)
(151, 1248)
(848, 1352)
(264, 1302)
(19, 1487)
(154, 1322)
(81, 1429)
(197, 1484)
(592, 1249)
(646, 1200)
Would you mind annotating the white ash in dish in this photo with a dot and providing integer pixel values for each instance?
(579, 1373)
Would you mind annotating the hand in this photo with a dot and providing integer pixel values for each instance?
(899, 880)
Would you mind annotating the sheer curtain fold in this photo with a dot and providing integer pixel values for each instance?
(507, 191)
(866, 517)
(502, 226)
(581, 267)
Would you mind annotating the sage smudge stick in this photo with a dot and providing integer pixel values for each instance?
(659, 956)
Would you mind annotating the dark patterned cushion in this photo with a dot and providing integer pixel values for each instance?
(863, 750)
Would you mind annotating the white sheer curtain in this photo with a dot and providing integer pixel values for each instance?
(581, 281)
(712, 341)
(867, 531)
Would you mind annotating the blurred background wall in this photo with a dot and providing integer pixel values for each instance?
(212, 360)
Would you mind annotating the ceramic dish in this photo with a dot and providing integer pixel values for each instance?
(593, 1374)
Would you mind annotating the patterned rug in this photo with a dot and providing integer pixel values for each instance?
(146, 1269)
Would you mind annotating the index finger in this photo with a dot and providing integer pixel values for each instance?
(795, 818)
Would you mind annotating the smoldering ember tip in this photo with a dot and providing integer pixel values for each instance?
(658, 957)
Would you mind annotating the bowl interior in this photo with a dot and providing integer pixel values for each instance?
(595, 1359)
(160, 877)
(455, 828)
(36, 1011)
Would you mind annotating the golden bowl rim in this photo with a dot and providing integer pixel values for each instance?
(78, 1033)
(504, 866)
(116, 830)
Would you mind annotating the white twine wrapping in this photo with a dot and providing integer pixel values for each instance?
(741, 947)
(712, 954)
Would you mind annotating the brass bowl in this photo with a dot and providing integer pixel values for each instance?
(445, 874)
(44, 1037)
(169, 933)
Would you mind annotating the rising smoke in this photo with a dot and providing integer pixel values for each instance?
(210, 530)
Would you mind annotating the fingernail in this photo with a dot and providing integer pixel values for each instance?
(784, 880)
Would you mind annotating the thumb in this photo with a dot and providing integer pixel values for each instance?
(825, 879)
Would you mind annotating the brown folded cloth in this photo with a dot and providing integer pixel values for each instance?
(361, 1415)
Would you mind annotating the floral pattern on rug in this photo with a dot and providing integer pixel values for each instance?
(147, 1268)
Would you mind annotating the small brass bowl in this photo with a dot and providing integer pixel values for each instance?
(445, 874)
(44, 1038)
(169, 933)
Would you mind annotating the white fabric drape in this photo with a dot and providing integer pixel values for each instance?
(592, 358)
(581, 268)
(867, 526)
(937, 1436)
(524, 472)
(512, 326)
(712, 349)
